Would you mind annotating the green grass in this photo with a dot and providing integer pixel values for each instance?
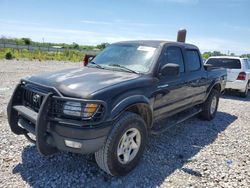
(69, 55)
(28, 41)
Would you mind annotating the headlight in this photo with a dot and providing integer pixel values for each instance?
(78, 109)
(72, 108)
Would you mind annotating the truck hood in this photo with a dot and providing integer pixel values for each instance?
(81, 82)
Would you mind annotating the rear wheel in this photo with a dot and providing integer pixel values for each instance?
(124, 146)
(209, 108)
(245, 93)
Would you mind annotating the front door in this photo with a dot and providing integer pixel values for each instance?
(171, 93)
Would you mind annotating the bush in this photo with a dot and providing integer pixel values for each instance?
(75, 45)
(9, 55)
(102, 46)
(27, 41)
(68, 55)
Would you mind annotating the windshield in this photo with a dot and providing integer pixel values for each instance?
(135, 57)
(225, 63)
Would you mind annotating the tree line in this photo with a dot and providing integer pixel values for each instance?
(206, 55)
(74, 45)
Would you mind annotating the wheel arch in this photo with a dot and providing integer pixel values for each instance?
(137, 104)
(216, 86)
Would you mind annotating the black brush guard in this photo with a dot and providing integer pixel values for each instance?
(37, 123)
(40, 120)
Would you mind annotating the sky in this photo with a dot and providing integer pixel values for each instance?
(222, 25)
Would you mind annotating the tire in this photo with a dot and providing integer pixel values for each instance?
(245, 93)
(207, 113)
(107, 157)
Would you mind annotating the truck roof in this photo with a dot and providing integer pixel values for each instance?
(157, 43)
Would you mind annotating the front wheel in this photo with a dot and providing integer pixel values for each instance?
(124, 146)
(209, 108)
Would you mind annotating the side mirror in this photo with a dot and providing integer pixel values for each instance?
(170, 69)
(90, 59)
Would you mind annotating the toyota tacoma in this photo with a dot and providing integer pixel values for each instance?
(110, 106)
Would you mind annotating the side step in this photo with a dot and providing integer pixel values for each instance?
(164, 124)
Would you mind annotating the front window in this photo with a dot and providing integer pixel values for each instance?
(135, 57)
(173, 54)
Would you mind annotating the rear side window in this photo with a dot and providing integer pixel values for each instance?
(247, 65)
(225, 63)
(193, 60)
(173, 54)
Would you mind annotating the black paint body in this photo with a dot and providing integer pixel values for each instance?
(159, 96)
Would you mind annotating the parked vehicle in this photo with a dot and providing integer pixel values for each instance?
(87, 58)
(110, 106)
(238, 72)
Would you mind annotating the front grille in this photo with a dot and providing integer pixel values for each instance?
(57, 111)
(32, 98)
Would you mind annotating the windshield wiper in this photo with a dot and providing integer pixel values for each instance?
(123, 67)
(98, 66)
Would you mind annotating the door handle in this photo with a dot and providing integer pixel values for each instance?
(162, 86)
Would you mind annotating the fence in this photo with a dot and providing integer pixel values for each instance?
(43, 48)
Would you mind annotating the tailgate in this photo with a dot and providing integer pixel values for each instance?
(232, 74)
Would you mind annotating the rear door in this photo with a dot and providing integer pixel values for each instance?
(233, 66)
(196, 76)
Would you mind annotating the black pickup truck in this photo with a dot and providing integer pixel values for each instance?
(110, 106)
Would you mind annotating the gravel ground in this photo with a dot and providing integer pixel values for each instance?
(194, 154)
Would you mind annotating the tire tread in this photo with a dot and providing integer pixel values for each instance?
(205, 113)
(101, 156)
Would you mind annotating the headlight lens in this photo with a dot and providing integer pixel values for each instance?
(78, 109)
(72, 108)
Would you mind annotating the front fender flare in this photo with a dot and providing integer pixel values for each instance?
(128, 102)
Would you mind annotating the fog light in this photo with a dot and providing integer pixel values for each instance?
(73, 144)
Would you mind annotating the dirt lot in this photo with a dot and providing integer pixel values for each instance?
(194, 154)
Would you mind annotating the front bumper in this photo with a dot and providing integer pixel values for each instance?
(236, 85)
(51, 134)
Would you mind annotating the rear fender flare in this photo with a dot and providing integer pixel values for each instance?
(213, 85)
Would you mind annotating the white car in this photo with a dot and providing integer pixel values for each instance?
(238, 72)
